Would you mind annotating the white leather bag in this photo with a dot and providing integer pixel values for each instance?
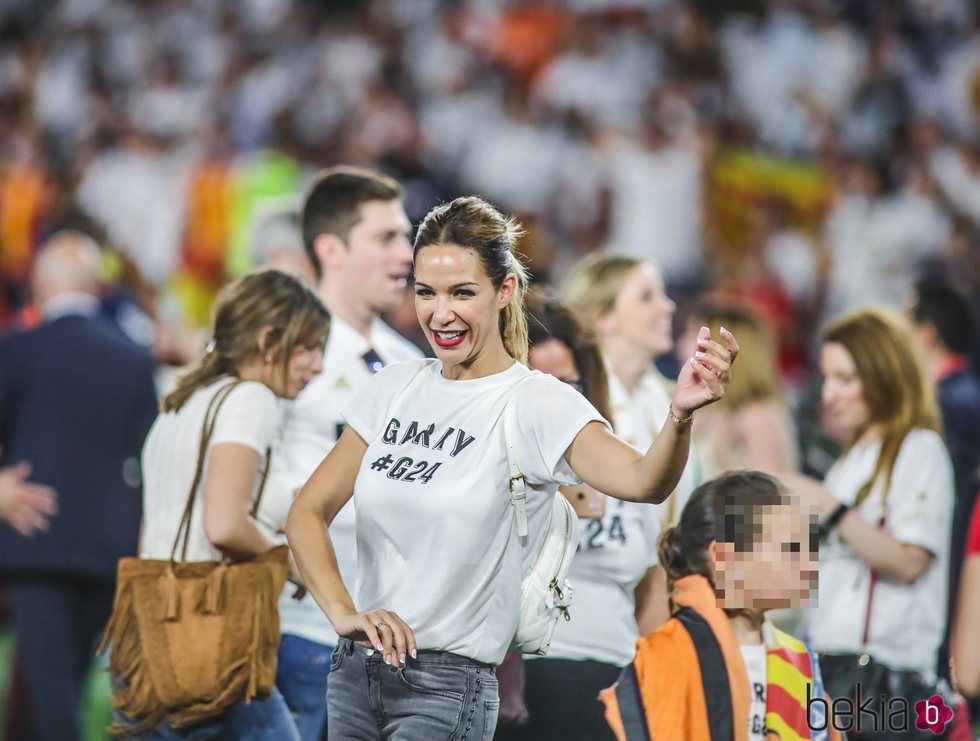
(545, 591)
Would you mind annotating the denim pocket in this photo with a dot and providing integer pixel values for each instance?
(435, 695)
(435, 679)
(491, 708)
(337, 657)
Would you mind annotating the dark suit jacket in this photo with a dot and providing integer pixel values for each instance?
(959, 397)
(76, 401)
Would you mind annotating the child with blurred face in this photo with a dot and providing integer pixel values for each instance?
(744, 545)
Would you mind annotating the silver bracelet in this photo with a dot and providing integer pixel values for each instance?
(677, 420)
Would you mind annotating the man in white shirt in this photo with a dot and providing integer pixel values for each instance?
(356, 235)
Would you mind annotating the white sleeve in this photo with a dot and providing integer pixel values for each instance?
(920, 500)
(249, 416)
(367, 410)
(651, 525)
(550, 414)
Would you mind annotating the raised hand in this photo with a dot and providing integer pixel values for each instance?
(705, 376)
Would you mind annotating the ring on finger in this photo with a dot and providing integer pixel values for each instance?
(379, 624)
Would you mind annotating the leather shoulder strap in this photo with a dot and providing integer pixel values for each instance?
(210, 416)
(516, 481)
(265, 475)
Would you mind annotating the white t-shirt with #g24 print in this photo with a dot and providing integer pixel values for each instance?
(435, 540)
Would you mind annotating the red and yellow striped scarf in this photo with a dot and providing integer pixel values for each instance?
(790, 667)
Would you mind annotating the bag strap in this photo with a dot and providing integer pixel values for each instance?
(863, 493)
(719, 702)
(871, 595)
(207, 428)
(517, 481)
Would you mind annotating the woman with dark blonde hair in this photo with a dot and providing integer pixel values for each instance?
(626, 303)
(441, 555)
(267, 343)
(752, 428)
(886, 507)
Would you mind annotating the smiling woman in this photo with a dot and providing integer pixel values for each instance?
(626, 301)
(474, 295)
(440, 565)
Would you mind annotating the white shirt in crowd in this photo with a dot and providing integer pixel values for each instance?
(638, 419)
(313, 423)
(755, 664)
(435, 533)
(907, 620)
(615, 552)
(613, 555)
(249, 416)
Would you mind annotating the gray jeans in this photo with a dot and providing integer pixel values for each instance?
(437, 696)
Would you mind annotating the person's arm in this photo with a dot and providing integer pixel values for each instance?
(879, 549)
(26, 507)
(652, 600)
(966, 647)
(229, 482)
(616, 468)
(307, 530)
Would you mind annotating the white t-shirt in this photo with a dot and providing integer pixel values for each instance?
(907, 621)
(613, 555)
(755, 664)
(615, 552)
(638, 419)
(249, 416)
(435, 534)
(312, 425)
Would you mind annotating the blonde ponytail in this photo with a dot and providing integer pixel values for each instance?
(513, 319)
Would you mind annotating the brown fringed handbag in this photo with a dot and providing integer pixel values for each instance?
(190, 640)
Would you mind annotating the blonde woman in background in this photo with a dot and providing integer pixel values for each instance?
(625, 300)
(753, 427)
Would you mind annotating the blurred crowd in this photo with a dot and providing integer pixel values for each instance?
(808, 154)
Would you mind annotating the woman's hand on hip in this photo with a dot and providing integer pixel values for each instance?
(704, 378)
(381, 630)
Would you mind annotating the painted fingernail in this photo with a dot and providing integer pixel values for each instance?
(699, 354)
(694, 362)
(415, 654)
(725, 330)
(402, 658)
(388, 659)
(369, 652)
(379, 647)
